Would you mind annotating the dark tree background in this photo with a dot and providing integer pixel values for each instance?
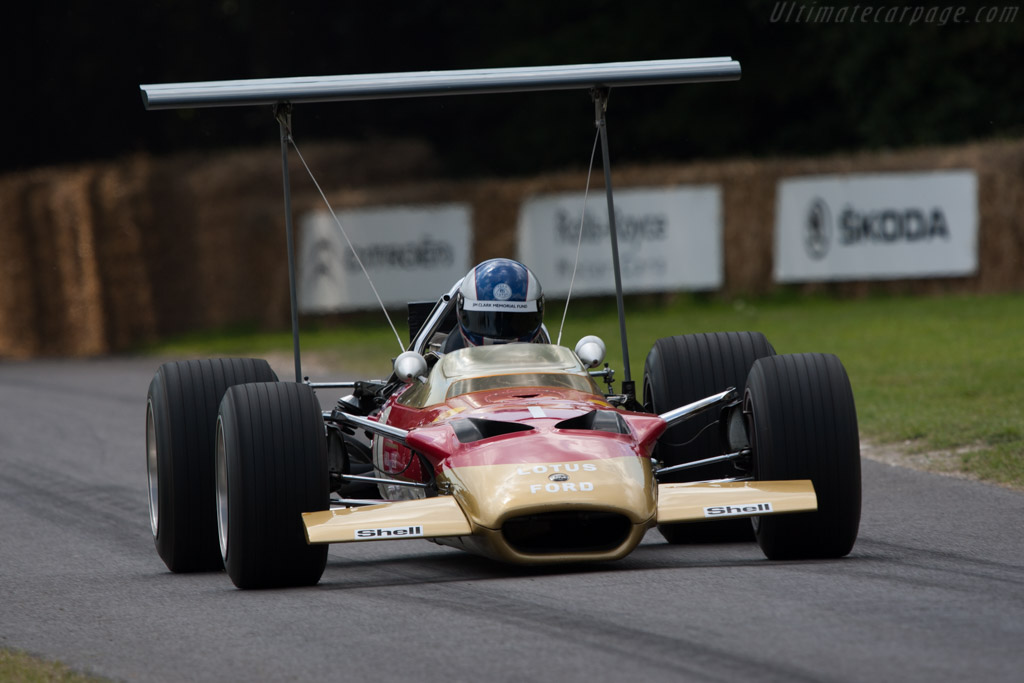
(72, 70)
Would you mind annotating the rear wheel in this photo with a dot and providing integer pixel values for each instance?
(802, 424)
(683, 369)
(181, 412)
(271, 462)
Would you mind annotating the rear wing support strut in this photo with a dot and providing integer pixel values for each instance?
(600, 96)
(283, 114)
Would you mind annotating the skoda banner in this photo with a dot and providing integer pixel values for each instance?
(411, 253)
(877, 227)
(670, 239)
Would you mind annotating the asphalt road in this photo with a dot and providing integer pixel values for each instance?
(934, 589)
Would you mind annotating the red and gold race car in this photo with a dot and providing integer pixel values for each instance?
(511, 451)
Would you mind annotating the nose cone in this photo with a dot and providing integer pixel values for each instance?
(573, 483)
(491, 494)
(556, 504)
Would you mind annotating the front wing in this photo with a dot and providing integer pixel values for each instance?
(442, 516)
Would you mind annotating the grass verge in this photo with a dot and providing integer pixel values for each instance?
(929, 374)
(24, 668)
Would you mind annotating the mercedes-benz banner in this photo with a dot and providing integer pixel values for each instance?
(879, 226)
(412, 253)
(670, 239)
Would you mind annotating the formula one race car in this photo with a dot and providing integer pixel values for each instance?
(511, 451)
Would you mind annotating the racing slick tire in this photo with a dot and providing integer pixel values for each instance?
(181, 415)
(802, 424)
(687, 368)
(271, 463)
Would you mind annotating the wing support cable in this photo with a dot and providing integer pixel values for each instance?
(344, 233)
(579, 238)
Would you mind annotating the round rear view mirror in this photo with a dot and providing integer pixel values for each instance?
(410, 366)
(590, 350)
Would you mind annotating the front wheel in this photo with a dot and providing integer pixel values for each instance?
(802, 424)
(271, 466)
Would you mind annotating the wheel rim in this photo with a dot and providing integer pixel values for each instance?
(152, 471)
(648, 397)
(222, 491)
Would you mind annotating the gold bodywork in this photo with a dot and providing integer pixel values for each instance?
(493, 544)
(701, 502)
(493, 494)
(440, 516)
(484, 497)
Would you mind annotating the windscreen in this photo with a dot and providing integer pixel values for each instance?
(533, 379)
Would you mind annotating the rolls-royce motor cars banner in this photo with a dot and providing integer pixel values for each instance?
(670, 239)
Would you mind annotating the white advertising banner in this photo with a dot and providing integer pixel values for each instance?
(876, 227)
(413, 253)
(669, 238)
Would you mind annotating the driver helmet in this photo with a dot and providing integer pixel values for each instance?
(500, 301)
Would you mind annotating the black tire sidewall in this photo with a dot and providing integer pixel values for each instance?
(276, 458)
(184, 396)
(168, 516)
(803, 425)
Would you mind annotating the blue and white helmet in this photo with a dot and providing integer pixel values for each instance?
(500, 301)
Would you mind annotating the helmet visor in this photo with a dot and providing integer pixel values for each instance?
(499, 324)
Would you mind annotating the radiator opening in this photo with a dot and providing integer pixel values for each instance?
(566, 531)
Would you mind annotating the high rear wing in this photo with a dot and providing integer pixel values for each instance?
(433, 83)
